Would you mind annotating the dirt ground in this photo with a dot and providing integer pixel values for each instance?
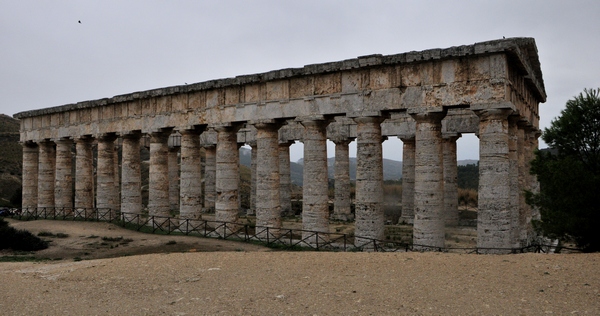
(199, 276)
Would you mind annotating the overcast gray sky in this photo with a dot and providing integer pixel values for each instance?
(48, 59)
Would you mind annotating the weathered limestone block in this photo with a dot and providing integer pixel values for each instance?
(428, 228)
(46, 173)
(342, 205)
(30, 175)
(106, 195)
(191, 174)
(285, 185)
(158, 192)
(268, 208)
(450, 179)
(494, 216)
(174, 193)
(369, 216)
(63, 186)
(84, 175)
(315, 210)
(131, 179)
(210, 169)
(408, 180)
(227, 175)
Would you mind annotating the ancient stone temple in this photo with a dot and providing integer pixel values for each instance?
(428, 99)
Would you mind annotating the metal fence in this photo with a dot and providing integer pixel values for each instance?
(281, 238)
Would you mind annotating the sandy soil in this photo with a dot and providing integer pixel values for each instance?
(247, 280)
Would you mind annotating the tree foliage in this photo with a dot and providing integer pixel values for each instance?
(569, 174)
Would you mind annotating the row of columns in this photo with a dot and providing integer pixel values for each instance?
(429, 177)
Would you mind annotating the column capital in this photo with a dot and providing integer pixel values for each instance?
(368, 119)
(314, 123)
(494, 114)
(107, 137)
(407, 139)
(64, 140)
(131, 135)
(159, 136)
(427, 114)
(451, 136)
(342, 140)
(286, 143)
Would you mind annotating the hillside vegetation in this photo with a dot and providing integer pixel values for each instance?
(11, 156)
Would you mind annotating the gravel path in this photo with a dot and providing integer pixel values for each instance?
(306, 283)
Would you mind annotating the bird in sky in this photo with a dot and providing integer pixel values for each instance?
(79, 21)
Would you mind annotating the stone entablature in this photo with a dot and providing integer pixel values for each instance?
(501, 73)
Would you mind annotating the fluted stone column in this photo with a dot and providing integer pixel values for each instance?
(523, 173)
(429, 223)
(131, 177)
(190, 206)
(494, 216)
(369, 214)
(117, 181)
(174, 179)
(84, 176)
(450, 179)
(158, 186)
(285, 182)
(46, 173)
(253, 157)
(408, 180)
(513, 159)
(268, 208)
(30, 175)
(315, 208)
(106, 193)
(63, 186)
(342, 205)
(227, 175)
(210, 168)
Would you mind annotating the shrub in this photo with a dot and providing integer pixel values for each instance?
(11, 238)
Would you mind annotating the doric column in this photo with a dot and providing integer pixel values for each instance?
(117, 180)
(30, 175)
(210, 169)
(190, 206)
(268, 208)
(63, 186)
(84, 175)
(227, 175)
(252, 209)
(315, 210)
(46, 173)
(285, 183)
(158, 186)
(408, 180)
(342, 204)
(369, 215)
(428, 228)
(523, 174)
(131, 176)
(450, 179)
(494, 215)
(106, 193)
(513, 159)
(174, 189)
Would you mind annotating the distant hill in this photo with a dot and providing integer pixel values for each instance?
(11, 157)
